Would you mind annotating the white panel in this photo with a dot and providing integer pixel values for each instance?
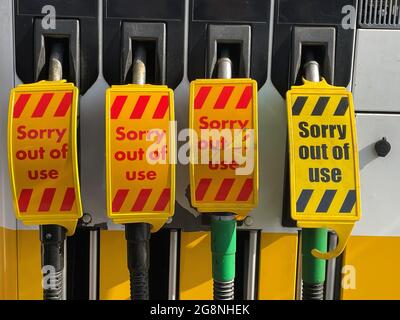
(377, 71)
(380, 177)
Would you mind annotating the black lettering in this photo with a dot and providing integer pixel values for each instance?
(304, 133)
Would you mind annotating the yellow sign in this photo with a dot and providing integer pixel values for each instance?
(324, 173)
(140, 154)
(223, 145)
(42, 153)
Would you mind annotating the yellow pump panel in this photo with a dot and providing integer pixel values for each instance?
(223, 144)
(195, 282)
(370, 269)
(42, 153)
(324, 170)
(9, 264)
(277, 266)
(140, 154)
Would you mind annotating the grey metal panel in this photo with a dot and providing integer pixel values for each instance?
(7, 78)
(331, 269)
(173, 265)
(380, 177)
(250, 290)
(376, 76)
(92, 144)
(379, 14)
(93, 264)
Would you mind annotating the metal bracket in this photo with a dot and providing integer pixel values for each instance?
(314, 36)
(229, 34)
(66, 29)
(132, 31)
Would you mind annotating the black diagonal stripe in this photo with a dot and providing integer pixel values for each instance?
(303, 199)
(342, 106)
(320, 106)
(298, 105)
(348, 202)
(326, 201)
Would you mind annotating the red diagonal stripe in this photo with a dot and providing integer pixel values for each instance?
(119, 199)
(64, 105)
(202, 188)
(224, 189)
(246, 191)
(223, 97)
(20, 104)
(201, 97)
(140, 107)
(68, 200)
(24, 198)
(161, 108)
(141, 199)
(42, 105)
(245, 98)
(47, 199)
(163, 200)
(117, 105)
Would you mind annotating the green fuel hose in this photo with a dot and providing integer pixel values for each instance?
(313, 269)
(223, 247)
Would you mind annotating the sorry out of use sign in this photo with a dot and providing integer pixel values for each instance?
(323, 153)
(42, 144)
(140, 142)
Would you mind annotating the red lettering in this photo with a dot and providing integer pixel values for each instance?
(203, 122)
(223, 166)
(140, 175)
(43, 174)
(30, 154)
(122, 134)
(129, 155)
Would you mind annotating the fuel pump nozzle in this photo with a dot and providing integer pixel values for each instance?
(52, 237)
(137, 235)
(313, 269)
(223, 226)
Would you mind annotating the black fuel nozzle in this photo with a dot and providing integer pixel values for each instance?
(137, 236)
(52, 239)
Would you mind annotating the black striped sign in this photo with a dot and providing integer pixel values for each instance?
(323, 153)
(319, 107)
(326, 200)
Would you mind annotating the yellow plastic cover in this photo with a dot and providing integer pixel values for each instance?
(42, 153)
(140, 154)
(324, 170)
(223, 145)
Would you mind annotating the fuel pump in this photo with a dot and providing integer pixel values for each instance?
(52, 237)
(324, 174)
(224, 191)
(141, 139)
(223, 226)
(313, 269)
(42, 142)
(137, 235)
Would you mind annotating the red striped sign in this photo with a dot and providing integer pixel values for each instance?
(43, 153)
(46, 198)
(222, 96)
(224, 189)
(139, 120)
(224, 104)
(122, 198)
(41, 108)
(139, 107)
